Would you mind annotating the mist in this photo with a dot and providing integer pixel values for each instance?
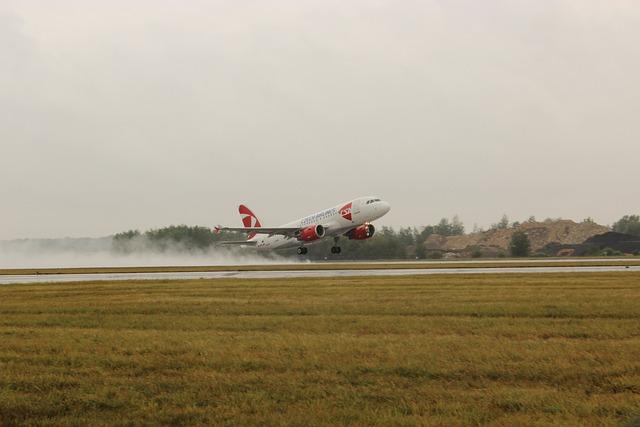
(99, 252)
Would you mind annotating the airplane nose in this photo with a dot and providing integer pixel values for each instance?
(386, 207)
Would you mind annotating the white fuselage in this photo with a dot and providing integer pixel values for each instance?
(336, 221)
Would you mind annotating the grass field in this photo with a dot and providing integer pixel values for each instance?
(502, 350)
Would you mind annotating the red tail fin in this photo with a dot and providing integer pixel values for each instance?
(248, 219)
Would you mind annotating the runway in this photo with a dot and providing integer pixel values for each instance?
(283, 274)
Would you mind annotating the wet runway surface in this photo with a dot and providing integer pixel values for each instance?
(57, 278)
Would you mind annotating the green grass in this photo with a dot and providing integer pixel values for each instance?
(549, 349)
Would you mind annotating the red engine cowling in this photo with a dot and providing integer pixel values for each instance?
(365, 231)
(311, 233)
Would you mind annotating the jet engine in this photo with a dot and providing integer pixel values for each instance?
(363, 232)
(311, 233)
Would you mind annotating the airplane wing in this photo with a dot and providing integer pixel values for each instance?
(237, 242)
(271, 231)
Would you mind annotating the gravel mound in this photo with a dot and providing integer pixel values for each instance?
(564, 232)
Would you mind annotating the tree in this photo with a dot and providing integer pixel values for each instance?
(443, 228)
(628, 224)
(520, 245)
(181, 237)
(502, 225)
(610, 252)
(126, 235)
(406, 236)
(455, 227)
(122, 241)
(421, 252)
(420, 238)
(425, 233)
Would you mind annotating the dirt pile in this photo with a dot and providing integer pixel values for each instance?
(624, 243)
(540, 234)
(601, 244)
(611, 238)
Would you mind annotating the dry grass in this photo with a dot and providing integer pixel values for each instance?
(512, 263)
(433, 350)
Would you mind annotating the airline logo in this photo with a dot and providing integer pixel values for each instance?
(345, 211)
(248, 219)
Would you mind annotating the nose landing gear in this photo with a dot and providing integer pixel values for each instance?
(302, 250)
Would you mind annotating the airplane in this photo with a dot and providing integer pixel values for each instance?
(351, 220)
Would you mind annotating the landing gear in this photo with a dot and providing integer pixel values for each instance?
(335, 249)
(302, 250)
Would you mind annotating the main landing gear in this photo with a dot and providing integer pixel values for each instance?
(335, 249)
(302, 250)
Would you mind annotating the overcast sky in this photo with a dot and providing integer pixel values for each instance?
(136, 114)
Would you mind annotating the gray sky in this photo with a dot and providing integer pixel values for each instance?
(137, 114)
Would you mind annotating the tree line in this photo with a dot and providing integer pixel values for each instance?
(387, 243)
(628, 224)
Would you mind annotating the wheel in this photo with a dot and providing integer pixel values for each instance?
(335, 249)
(338, 249)
(302, 250)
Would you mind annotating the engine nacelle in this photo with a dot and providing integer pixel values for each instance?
(311, 233)
(363, 232)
